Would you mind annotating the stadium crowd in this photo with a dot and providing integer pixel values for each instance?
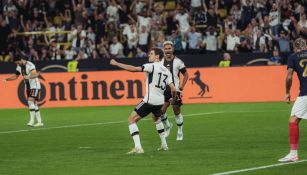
(92, 29)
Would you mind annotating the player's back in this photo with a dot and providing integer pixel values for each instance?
(298, 62)
(158, 77)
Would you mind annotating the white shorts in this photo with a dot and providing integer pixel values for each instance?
(299, 108)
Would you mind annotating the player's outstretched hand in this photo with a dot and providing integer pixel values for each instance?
(113, 62)
(287, 98)
(4, 80)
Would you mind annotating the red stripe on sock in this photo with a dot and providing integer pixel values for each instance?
(294, 135)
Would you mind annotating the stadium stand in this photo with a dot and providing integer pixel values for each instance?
(99, 29)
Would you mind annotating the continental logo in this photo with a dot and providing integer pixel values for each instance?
(100, 90)
(68, 89)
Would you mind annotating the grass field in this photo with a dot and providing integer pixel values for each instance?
(93, 140)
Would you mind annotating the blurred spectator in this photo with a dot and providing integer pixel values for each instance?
(5, 32)
(245, 46)
(44, 54)
(183, 19)
(160, 40)
(143, 20)
(78, 9)
(90, 35)
(232, 40)
(262, 42)
(140, 53)
(194, 39)
(226, 62)
(171, 24)
(103, 48)
(116, 48)
(196, 5)
(200, 18)
(210, 41)
(112, 11)
(112, 31)
(78, 38)
(132, 37)
(82, 55)
(212, 17)
(283, 41)
(247, 12)
(275, 59)
(100, 26)
(143, 39)
(69, 53)
(274, 16)
(176, 39)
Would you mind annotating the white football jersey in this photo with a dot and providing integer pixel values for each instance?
(174, 66)
(26, 71)
(157, 78)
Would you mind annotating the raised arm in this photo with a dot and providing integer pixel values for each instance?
(22, 23)
(126, 66)
(74, 5)
(216, 6)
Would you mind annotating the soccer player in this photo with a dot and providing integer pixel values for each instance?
(176, 66)
(28, 71)
(297, 62)
(157, 78)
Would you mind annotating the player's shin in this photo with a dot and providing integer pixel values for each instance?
(134, 132)
(179, 121)
(294, 134)
(32, 112)
(38, 114)
(160, 129)
(165, 121)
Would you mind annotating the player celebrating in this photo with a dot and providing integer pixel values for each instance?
(176, 66)
(28, 71)
(157, 78)
(297, 62)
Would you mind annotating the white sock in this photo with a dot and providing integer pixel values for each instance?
(32, 111)
(160, 129)
(293, 152)
(179, 121)
(38, 114)
(165, 121)
(134, 132)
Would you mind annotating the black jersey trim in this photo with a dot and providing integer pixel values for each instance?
(150, 77)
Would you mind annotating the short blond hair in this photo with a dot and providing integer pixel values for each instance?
(299, 43)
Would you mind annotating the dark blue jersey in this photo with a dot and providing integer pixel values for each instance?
(298, 62)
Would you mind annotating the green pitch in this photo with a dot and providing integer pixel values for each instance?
(93, 141)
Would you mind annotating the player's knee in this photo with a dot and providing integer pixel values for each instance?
(157, 119)
(31, 104)
(176, 110)
(133, 119)
(293, 119)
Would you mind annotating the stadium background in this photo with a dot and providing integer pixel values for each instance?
(219, 137)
